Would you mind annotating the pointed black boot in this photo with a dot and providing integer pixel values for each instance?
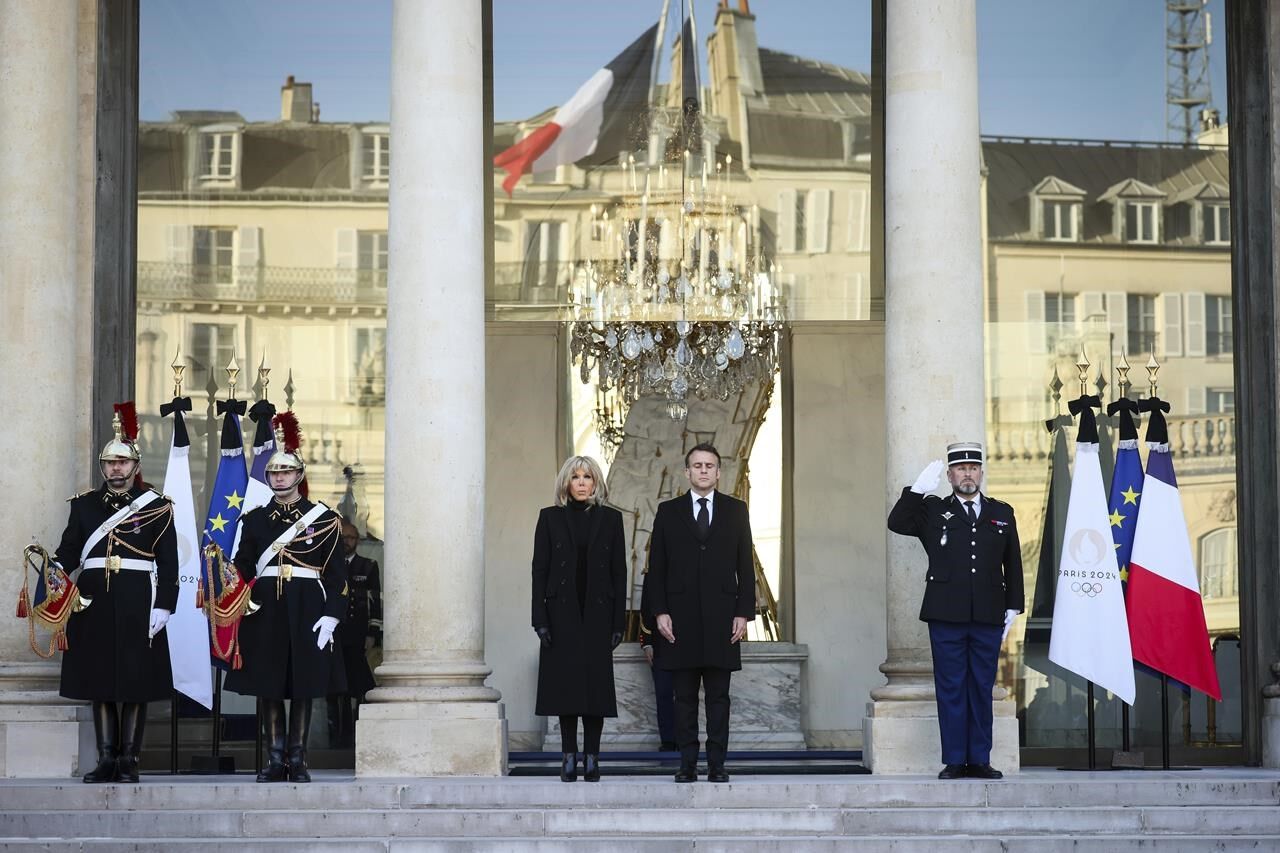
(273, 732)
(591, 767)
(106, 731)
(569, 767)
(133, 721)
(299, 723)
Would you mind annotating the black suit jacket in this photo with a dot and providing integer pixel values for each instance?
(975, 571)
(701, 583)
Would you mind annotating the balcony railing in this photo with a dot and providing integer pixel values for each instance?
(1209, 437)
(309, 285)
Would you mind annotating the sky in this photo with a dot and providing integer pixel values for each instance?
(1080, 69)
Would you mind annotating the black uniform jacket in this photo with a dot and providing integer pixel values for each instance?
(575, 675)
(702, 584)
(108, 657)
(975, 571)
(364, 602)
(277, 642)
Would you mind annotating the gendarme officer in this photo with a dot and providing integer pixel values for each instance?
(973, 590)
(121, 536)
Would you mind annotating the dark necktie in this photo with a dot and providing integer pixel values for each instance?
(704, 517)
(968, 508)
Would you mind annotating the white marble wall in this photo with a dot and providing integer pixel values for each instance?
(765, 701)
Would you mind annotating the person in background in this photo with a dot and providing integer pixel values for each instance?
(361, 630)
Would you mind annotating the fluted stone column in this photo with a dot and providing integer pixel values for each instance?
(433, 714)
(934, 389)
(42, 354)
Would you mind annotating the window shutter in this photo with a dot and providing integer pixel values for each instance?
(1195, 324)
(1090, 306)
(856, 238)
(1035, 321)
(248, 253)
(178, 244)
(1196, 400)
(787, 221)
(817, 219)
(345, 249)
(1118, 318)
(857, 306)
(1170, 321)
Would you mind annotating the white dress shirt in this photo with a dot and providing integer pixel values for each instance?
(711, 503)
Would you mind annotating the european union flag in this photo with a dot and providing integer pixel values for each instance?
(1126, 485)
(226, 502)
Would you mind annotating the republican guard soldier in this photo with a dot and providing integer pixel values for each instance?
(290, 550)
(121, 536)
(973, 589)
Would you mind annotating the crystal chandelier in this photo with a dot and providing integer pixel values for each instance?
(678, 301)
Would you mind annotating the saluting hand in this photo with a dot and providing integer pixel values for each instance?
(929, 478)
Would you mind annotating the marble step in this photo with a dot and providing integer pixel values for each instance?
(1214, 821)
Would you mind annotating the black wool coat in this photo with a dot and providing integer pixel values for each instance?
(975, 571)
(575, 675)
(108, 657)
(277, 644)
(702, 584)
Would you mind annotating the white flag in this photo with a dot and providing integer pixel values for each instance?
(188, 628)
(1090, 633)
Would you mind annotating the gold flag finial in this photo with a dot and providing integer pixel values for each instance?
(1123, 369)
(1082, 365)
(233, 370)
(263, 370)
(1153, 367)
(178, 369)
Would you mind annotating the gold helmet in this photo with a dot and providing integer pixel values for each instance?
(124, 441)
(285, 457)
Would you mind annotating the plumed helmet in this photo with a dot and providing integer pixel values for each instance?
(124, 441)
(288, 436)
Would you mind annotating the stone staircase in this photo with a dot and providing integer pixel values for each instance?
(1038, 810)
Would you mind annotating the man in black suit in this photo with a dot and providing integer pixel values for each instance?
(361, 630)
(700, 587)
(973, 589)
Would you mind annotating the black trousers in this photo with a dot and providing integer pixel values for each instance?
(715, 687)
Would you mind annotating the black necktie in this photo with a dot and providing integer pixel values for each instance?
(704, 517)
(973, 516)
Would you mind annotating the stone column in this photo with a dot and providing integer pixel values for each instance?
(41, 357)
(934, 389)
(433, 714)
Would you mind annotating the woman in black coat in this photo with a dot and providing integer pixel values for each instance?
(579, 592)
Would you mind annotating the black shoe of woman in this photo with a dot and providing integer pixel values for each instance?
(591, 767)
(569, 767)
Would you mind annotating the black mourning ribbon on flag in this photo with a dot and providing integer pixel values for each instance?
(1084, 406)
(261, 409)
(1157, 427)
(237, 407)
(177, 404)
(1127, 409)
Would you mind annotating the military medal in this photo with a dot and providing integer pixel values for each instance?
(946, 516)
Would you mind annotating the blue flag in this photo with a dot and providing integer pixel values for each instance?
(226, 501)
(1126, 486)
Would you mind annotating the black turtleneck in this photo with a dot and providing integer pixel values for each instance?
(580, 522)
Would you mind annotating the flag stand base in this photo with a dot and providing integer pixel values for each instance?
(213, 765)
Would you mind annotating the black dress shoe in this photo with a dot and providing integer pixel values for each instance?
(982, 771)
(569, 767)
(717, 774)
(591, 767)
(952, 771)
(686, 774)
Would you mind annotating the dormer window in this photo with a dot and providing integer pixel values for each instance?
(1135, 211)
(1055, 210)
(219, 153)
(1217, 223)
(375, 154)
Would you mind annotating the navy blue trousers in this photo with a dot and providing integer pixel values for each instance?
(964, 671)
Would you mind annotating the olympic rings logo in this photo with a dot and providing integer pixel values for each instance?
(1092, 590)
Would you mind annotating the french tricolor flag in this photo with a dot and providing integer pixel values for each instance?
(1166, 614)
(604, 117)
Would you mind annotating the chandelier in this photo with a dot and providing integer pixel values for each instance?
(678, 301)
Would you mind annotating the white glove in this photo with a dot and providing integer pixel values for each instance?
(929, 478)
(324, 626)
(1009, 616)
(159, 617)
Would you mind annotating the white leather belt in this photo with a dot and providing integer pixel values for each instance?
(274, 572)
(118, 563)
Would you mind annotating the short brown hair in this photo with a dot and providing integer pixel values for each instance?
(705, 447)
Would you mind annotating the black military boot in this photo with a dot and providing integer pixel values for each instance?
(299, 723)
(133, 720)
(273, 731)
(569, 767)
(106, 731)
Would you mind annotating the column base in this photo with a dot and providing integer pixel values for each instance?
(431, 739)
(901, 737)
(48, 740)
(1271, 732)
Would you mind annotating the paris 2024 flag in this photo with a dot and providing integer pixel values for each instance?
(1090, 634)
(1166, 613)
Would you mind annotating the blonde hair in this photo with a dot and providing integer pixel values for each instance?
(580, 463)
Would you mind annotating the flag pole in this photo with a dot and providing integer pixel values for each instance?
(1091, 722)
(657, 51)
(1164, 721)
(1122, 369)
